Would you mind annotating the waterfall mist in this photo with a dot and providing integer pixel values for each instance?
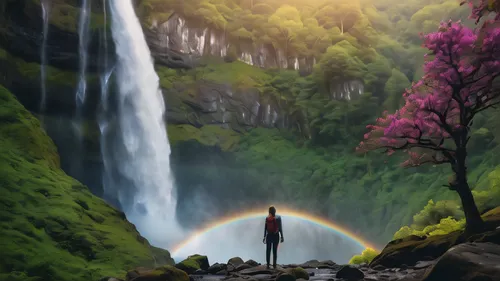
(136, 148)
(304, 241)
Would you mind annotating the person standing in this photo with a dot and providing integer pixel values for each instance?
(273, 228)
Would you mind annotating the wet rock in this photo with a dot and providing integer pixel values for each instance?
(201, 272)
(423, 264)
(243, 266)
(379, 267)
(222, 272)
(235, 261)
(264, 277)
(216, 267)
(163, 273)
(298, 273)
(239, 278)
(252, 263)
(350, 273)
(285, 277)
(468, 262)
(256, 270)
(318, 264)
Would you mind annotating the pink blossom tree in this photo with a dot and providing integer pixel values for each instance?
(434, 124)
(481, 8)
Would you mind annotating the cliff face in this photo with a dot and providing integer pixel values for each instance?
(180, 43)
(22, 32)
(213, 103)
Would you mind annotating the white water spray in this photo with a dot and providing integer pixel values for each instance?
(138, 167)
(43, 54)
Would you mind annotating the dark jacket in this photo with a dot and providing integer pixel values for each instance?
(280, 226)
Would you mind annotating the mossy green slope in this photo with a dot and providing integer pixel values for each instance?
(52, 227)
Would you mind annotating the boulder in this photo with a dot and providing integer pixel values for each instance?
(467, 262)
(163, 273)
(318, 264)
(201, 260)
(285, 277)
(413, 249)
(216, 267)
(200, 272)
(243, 266)
(252, 263)
(235, 261)
(298, 273)
(350, 273)
(193, 263)
(222, 272)
(136, 273)
(256, 270)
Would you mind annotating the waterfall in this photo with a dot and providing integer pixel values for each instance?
(137, 161)
(107, 73)
(83, 36)
(43, 54)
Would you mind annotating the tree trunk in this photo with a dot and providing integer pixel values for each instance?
(473, 219)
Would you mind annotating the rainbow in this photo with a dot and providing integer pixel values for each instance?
(281, 211)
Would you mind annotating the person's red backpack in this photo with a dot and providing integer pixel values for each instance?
(271, 225)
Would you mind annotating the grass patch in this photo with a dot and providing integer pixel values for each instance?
(210, 135)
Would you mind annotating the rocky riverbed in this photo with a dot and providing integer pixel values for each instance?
(464, 262)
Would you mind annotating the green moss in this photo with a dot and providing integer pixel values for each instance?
(32, 71)
(238, 74)
(298, 273)
(366, 257)
(52, 227)
(173, 273)
(189, 266)
(193, 263)
(65, 15)
(210, 135)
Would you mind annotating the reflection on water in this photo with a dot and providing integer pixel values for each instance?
(304, 241)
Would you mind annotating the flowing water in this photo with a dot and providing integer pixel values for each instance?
(43, 54)
(83, 34)
(83, 43)
(137, 160)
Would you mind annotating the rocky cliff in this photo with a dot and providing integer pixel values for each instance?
(178, 42)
